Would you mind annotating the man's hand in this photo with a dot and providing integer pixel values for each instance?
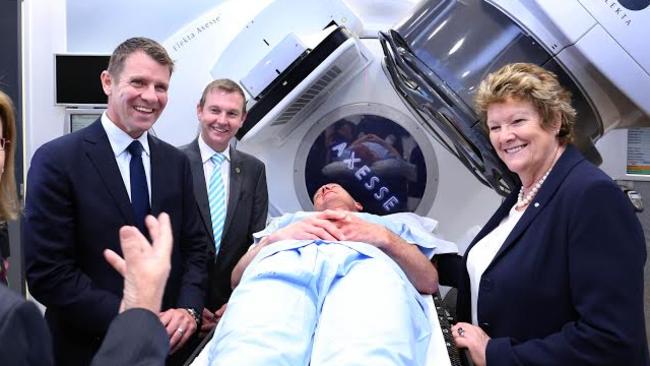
(209, 320)
(417, 267)
(219, 313)
(319, 226)
(145, 266)
(180, 326)
(355, 229)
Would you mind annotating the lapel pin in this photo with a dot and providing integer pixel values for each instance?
(536, 204)
(237, 170)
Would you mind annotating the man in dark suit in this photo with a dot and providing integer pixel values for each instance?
(230, 189)
(82, 187)
(136, 336)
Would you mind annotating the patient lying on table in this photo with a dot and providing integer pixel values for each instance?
(335, 287)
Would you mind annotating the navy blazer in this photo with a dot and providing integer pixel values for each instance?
(566, 287)
(248, 202)
(76, 202)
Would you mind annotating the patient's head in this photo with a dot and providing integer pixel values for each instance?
(332, 196)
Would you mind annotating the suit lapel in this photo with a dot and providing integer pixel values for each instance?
(200, 190)
(567, 161)
(99, 150)
(235, 188)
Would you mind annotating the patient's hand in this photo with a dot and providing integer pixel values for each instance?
(320, 226)
(208, 322)
(210, 319)
(219, 313)
(417, 267)
(357, 229)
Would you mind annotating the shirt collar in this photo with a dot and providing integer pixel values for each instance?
(207, 151)
(119, 139)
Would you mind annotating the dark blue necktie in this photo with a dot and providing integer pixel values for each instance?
(139, 190)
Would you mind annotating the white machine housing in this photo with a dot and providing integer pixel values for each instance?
(253, 44)
(601, 44)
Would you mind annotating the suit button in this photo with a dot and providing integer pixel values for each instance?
(486, 284)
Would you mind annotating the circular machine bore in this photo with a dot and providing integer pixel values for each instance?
(375, 152)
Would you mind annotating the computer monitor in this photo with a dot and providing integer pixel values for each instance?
(77, 80)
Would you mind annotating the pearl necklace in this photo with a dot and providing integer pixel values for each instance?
(525, 201)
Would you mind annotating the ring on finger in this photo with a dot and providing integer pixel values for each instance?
(180, 330)
(461, 332)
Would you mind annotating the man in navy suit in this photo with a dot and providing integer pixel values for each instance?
(82, 187)
(221, 112)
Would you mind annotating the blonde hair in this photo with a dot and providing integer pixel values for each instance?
(8, 197)
(532, 83)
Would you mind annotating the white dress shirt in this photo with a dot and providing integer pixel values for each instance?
(208, 166)
(120, 141)
(483, 252)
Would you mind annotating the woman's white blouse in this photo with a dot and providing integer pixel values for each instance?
(481, 254)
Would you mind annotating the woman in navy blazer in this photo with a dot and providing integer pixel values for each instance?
(556, 275)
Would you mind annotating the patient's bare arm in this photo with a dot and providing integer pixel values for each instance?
(319, 226)
(420, 271)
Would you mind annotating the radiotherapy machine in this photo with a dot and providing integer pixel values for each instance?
(382, 102)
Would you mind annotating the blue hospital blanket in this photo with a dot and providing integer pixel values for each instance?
(275, 311)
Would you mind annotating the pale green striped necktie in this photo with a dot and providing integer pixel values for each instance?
(217, 200)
